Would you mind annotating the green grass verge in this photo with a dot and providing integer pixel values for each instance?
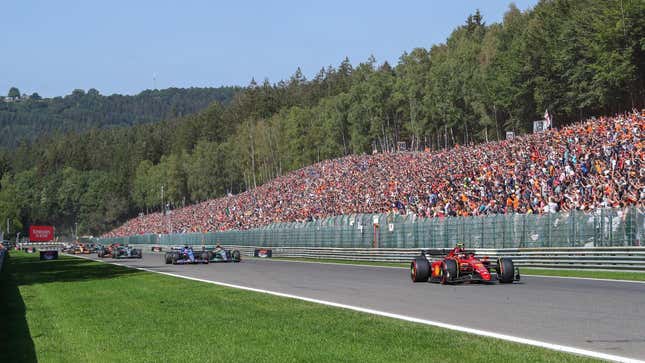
(614, 275)
(74, 310)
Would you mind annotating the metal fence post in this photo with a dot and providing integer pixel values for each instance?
(549, 242)
(572, 237)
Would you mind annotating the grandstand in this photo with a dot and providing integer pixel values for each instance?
(597, 163)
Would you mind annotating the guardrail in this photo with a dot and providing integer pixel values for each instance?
(41, 246)
(609, 258)
(626, 258)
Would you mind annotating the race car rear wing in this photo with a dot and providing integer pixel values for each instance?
(194, 248)
(433, 252)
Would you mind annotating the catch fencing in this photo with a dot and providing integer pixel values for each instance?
(622, 227)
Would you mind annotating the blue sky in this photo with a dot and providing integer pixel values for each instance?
(53, 47)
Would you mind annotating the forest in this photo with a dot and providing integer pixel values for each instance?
(575, 59)
(24, 118)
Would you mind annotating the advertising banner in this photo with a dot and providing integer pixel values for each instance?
(539, 126)
(41, 233)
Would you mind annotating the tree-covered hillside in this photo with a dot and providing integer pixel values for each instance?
(25, 118)
(575, 58)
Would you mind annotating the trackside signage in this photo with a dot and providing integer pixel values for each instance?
(41, 233)
(48, 255)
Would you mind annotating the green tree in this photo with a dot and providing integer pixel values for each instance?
(14, 93)
(205, 177)
(70, 191)
(100, 206)
(143, 191)
(10, 208)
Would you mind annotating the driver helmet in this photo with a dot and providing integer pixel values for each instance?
(460, 246)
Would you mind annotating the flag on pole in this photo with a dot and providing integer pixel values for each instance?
(547, 117)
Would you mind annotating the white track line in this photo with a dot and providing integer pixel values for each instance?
(280, 259)
(484, 333)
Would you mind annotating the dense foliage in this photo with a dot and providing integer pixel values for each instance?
(25, 118)
(574, 58)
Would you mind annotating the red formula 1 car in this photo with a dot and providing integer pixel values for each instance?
(107, 251)
(449, 266)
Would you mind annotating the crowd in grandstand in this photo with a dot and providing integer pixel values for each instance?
(593, 164)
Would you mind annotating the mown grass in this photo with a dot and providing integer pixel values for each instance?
(594, 274)
(75, 310)
(612, 275)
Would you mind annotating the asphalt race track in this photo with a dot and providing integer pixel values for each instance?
(602, 316)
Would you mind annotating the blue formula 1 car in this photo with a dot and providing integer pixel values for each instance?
(185, 256)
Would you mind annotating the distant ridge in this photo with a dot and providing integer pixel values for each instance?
(25, 118)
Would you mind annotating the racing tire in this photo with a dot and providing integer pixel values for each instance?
(139, 253)
(100, 254)
(174, 258)
(505, 270)
(236, 256)
(204, 257)
(168, 258)
(420, 269)
(210, 255)
(449, 271)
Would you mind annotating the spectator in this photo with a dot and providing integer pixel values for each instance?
(594, 164)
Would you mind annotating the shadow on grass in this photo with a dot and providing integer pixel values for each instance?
(28, 269)
(16, 344)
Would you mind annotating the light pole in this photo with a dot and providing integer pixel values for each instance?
(163, 206)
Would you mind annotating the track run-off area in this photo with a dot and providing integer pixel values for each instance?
(603, 319)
